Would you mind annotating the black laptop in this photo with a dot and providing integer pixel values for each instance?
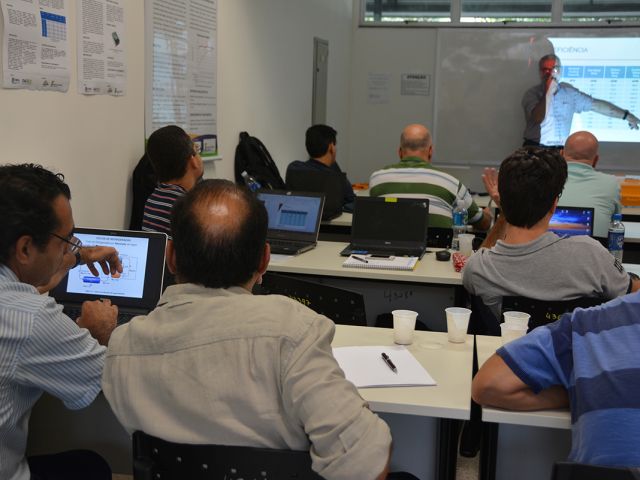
(327, 183)
(389, 226)
(294, 220)
(135, 292)
(572, 221)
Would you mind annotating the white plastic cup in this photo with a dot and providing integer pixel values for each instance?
(457, 323)
(519, 319)
(466, 243)
(404, 323)
(511, 332)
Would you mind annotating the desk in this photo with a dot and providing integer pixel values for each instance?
(428, 289)
(527, 444)
(411, 411)
(418, 416)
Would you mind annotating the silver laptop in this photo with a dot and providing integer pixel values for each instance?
(294, 220)
(135, 292)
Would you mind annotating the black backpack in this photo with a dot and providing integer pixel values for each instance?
(254, 158)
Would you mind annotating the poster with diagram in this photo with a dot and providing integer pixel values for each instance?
(35, 46)
(181, 69)
(102, 45)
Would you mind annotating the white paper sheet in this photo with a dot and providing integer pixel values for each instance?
(364, 367)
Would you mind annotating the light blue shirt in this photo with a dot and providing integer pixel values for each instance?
(41, 350)
(587, 187)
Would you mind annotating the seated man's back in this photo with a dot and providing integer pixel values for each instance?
(415, 177)
(528, 260)
(215, 364)
(592, 354)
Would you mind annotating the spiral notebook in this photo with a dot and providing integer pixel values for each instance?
(381, 263)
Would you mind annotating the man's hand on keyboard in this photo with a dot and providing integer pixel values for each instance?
(100, 318)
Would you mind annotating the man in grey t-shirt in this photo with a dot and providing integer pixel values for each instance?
(525, 259)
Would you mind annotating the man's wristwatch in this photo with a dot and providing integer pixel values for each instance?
(626, 114)
(78, 258)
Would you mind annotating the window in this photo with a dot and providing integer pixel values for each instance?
(600, 10)
(505, 11)
(458, 12)
(407, 11)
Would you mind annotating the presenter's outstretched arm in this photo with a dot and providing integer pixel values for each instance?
(607, 108)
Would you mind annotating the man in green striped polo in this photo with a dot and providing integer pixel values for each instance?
(415, 177)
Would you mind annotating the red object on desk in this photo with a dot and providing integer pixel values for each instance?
(459, 260)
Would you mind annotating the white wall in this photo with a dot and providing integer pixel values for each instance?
(265, 73)
(375, 128)
(265, 82)
(94, 141)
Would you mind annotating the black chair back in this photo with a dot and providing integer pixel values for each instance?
(344, 307)
(154, 459)
(581, 471)
(544, 311)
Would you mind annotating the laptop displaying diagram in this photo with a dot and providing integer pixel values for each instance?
(572, 221)
(135, 292)
(389, 226)
(294, 220)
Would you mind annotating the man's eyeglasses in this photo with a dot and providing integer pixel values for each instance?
(74, 243)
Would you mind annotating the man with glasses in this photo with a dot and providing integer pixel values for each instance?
(524, 258)
(41, 349)
(550, 105)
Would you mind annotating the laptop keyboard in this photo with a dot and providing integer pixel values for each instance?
(74, 313)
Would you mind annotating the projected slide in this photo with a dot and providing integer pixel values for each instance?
(608, 69)
(133, 254)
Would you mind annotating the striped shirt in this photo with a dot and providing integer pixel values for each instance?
(157, 210)
(593, 353)
(41, 350)
(415, 178)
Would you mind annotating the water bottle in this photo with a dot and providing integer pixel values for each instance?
(251, 183)
(616, 236)
(460, 218)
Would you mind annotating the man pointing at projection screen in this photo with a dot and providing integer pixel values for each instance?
(550, 105)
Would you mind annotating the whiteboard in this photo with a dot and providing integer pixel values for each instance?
(481, 75)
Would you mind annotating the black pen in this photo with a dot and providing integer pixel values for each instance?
(389, 363)
(363, 260)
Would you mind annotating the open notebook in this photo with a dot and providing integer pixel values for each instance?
(364, 367)
(380, 263)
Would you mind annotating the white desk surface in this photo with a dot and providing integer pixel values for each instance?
(343, 220)
(449, 364)
(325, 260)
(487, 346)
(631, 232)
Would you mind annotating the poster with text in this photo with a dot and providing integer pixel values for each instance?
(101, 47)
(181, 69)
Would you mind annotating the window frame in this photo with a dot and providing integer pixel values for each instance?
(455, 22)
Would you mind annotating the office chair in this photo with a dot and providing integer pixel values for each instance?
(581, 471)
(154, 458)
(344, 307)
(545, 311)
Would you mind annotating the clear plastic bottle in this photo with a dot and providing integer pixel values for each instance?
(251, 183)
(460, 217)
(616, 236)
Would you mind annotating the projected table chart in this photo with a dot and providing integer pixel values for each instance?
(607, 69)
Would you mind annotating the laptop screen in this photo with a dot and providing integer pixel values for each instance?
(390, 219)
(292, 213)
(140, 284)
(328, 183)
(572, 221)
